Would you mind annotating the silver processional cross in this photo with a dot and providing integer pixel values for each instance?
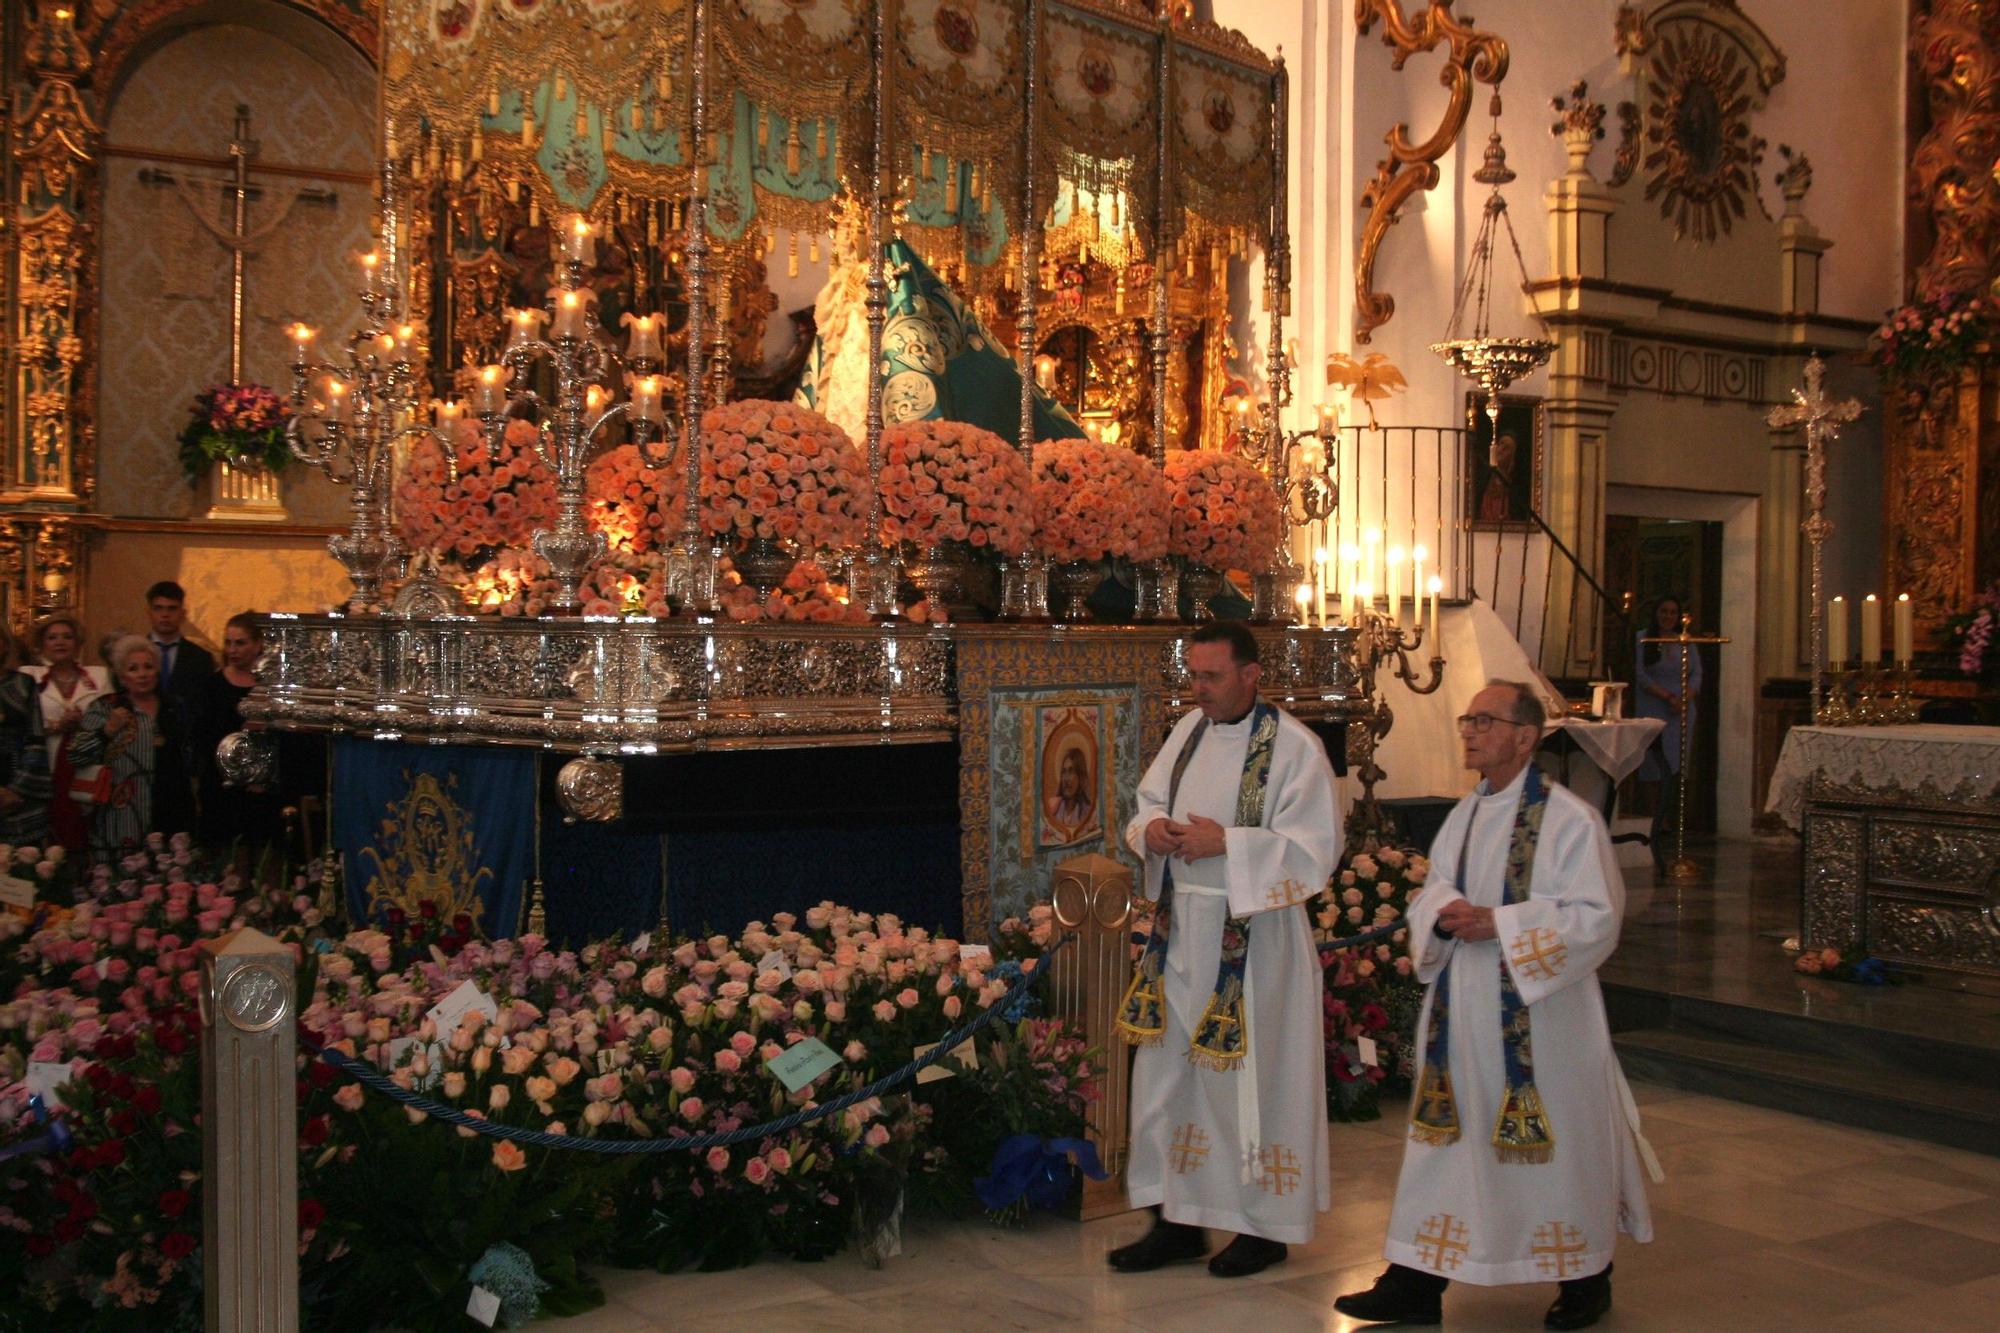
(1822, 418)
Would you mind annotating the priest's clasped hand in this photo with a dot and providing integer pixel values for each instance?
(1462, 921)
(1195, 840)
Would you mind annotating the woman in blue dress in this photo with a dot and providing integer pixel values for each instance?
(1658, 684)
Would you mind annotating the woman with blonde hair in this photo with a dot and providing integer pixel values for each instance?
(139, 736)
(64, 685)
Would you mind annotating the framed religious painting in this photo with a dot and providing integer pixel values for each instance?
(1502, 466)
(1068, 774)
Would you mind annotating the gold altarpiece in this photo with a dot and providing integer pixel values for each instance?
(1941, 464)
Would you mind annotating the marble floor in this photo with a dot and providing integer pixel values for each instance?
(1721, 937)
(1767, 1221)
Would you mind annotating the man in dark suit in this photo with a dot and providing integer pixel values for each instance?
(184, 664)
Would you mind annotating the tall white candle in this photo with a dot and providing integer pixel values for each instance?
(1319, 580)
(1906, 629)
(1871, 630)
(1305, 598)
(1836, 631)
(1418, 554)
(1437, 586)
(1392, 581)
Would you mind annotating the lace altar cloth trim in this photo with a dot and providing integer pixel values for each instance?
(1953, 763)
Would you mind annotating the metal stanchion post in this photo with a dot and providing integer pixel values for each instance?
(249, 1133)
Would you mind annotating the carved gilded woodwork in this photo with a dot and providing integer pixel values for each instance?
(1940, 452)
(1949, 186)
(1412, 167)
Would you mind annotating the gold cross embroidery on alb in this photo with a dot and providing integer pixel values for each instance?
(1280, 1170)
(1284, 895)
(1190, 1149)
(1539, 953)
(1442, 1241)
(1558, 1250)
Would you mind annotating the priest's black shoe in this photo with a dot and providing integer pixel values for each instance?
(1400, 1296)
(1246, 1255)
(1583, 1302)
(1167, 1243)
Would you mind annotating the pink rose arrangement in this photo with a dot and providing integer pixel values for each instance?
(1224, 513)
(947, 481)
(657, 1036)
(778, 471)
(1094, 501)
(471, 503)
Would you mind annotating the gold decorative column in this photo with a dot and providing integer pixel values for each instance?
(53, 266)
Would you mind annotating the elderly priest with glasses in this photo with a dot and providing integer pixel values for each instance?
(1517, 1168)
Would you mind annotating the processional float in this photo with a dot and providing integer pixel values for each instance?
(1083, 171)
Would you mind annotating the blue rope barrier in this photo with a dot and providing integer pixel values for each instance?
(55, 1138)
(368, 1076)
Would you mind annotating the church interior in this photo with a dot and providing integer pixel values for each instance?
(644, 639)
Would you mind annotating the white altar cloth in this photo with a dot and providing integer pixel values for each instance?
(1616, 747)
(1955, 761)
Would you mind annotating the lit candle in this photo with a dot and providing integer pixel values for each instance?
(645, 341)
(450, 411)
(1371, 553)
(1418, 554)
(1304, 595)
(1906, 629)
(594, 399)
(1871, 630)
(1836, 631)
(1437, 586)
(1365, 597)
(407, 346)
(490, 396)
(339, 402)
(646, 399)
(572, 306)
(579, 240)
(1350, 574)
(305, 340)
(371, 269)
(1045, 372)
(522, 327)
(1319, 582)
(1392, 582)
(1326, 421)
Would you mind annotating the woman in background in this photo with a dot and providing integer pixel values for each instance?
(64, 685)
(140, 736)
(1658, 686)
(231, 815)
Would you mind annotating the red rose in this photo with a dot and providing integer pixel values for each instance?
(313, 1132)
(320, 1073)
(147, 1099)
(173, 1203)
(311, 1213)
(171, 1041)
(177, 1245)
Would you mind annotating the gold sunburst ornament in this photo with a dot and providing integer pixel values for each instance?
(1701, 157)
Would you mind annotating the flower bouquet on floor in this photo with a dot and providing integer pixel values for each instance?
(1853, 964)
(1224, 514)
(1372, 994)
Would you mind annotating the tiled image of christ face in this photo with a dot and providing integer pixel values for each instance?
(1073, 805)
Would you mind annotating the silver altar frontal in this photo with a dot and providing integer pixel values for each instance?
(1902, 840)
(637, 686)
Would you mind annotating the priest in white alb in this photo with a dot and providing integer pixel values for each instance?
(1522, 1163)
(1239, 828)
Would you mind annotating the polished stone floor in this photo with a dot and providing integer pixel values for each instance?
(1767, 1221)
(1721, 937)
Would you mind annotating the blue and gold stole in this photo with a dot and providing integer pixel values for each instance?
(1222, 1036)
(1521, 1133)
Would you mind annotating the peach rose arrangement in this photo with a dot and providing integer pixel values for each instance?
(636, 507)
(1224, 513)
(458, 507)
(1094, 500)
(809, 592)
(778, 471)
(947, 481)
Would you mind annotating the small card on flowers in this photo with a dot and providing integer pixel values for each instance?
(964, 1056)
(484, 1306)
(975, 955)
(44, 1077)
(775, 961)
(801, 1063)
(17, 893)
(447, 1012)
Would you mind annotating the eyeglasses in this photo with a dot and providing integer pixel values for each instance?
(1481, 723)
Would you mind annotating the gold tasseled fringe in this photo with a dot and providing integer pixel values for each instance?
(1222, 1062)
(1437, 1138)
(1527, 1156)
